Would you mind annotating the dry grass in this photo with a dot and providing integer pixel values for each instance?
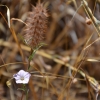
(67, 68)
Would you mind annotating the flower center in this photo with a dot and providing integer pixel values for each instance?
(22, 78)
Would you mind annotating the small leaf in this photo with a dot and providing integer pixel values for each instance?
(21, 89)
(36, 49)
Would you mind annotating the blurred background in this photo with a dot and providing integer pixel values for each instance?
(67, 36)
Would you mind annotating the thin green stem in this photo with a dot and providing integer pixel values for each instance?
(33, 51)
(25, 90)
(27, 94)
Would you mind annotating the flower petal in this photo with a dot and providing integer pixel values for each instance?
(25, 81)
(22, 77)
(19, 81)
(16, 76)
(21, 73)
(27, 75)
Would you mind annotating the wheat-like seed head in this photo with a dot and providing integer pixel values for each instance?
(36, 25)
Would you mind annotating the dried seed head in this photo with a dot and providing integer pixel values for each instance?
(88, 21)
(36, 25)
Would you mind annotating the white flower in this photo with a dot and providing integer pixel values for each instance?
(22, 77)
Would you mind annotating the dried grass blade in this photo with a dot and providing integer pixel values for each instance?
(74, 1)
(89, 88)
(79, 62)
(8, 15)
(93, 60)
(19, 46)
(16, 19)
(92, 43)
(12, 64)
(90, 15)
